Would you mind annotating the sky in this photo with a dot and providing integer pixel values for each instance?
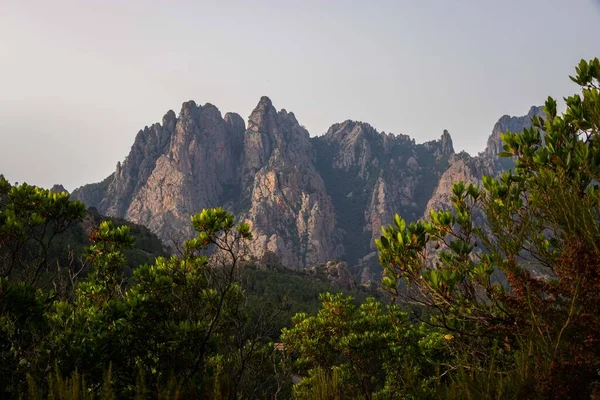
(79, 79)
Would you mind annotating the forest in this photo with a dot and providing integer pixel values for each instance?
(497, 296)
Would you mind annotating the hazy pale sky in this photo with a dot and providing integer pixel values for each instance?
(79, 79)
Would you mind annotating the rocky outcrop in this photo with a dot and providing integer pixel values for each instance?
(463, 167)
(371, 176)
(509, 124)
(173, 170)
(289, 209)
(265, 174)
(308, 200)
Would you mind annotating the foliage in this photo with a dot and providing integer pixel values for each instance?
(182, 322)
(541, 238)
(297, 290)
(23, 328)
(173, 318)
(75, 387)
(182, 326)
(147, 245)
(70, 388)
(362, 351)
(43, 237)
(30, 219)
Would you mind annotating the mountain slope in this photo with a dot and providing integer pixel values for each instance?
(371, 176)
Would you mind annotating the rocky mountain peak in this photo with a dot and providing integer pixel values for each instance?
(351, 129)
(536, 111)
(441, 148)
(260, 114)
(509, 123)
(169, 120)
(309, 200)
(277, 125)
(274, 135)
(287, 196)
(266, 101)
(288, 116)
(352, 144)
(447, 147)
(235, 121)
(188, 109)
(173, 170)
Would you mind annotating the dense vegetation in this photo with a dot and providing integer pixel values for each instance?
(495, 297)
(84, 302)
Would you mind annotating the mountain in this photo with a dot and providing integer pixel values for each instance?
(370, 177)
(282, 194)
(463, 167)
(173, 170)
(309, 200)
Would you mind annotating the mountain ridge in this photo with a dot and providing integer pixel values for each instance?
(309, 199)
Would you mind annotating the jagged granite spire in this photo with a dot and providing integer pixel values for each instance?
(447, 148)
(291, 214)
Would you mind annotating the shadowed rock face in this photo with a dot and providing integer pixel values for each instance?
(308, 200)
(371, 176)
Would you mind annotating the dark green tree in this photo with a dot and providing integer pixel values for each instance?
(30, 219)
(362, 352)
(183, 319)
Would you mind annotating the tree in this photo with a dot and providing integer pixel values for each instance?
(367, 351)
(30, 219)
(183, 319)
(526, 281)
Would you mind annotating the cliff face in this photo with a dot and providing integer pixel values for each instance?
(308, 200)
(371, 176)
(173, 170)
(509, 124)
(288, 207)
